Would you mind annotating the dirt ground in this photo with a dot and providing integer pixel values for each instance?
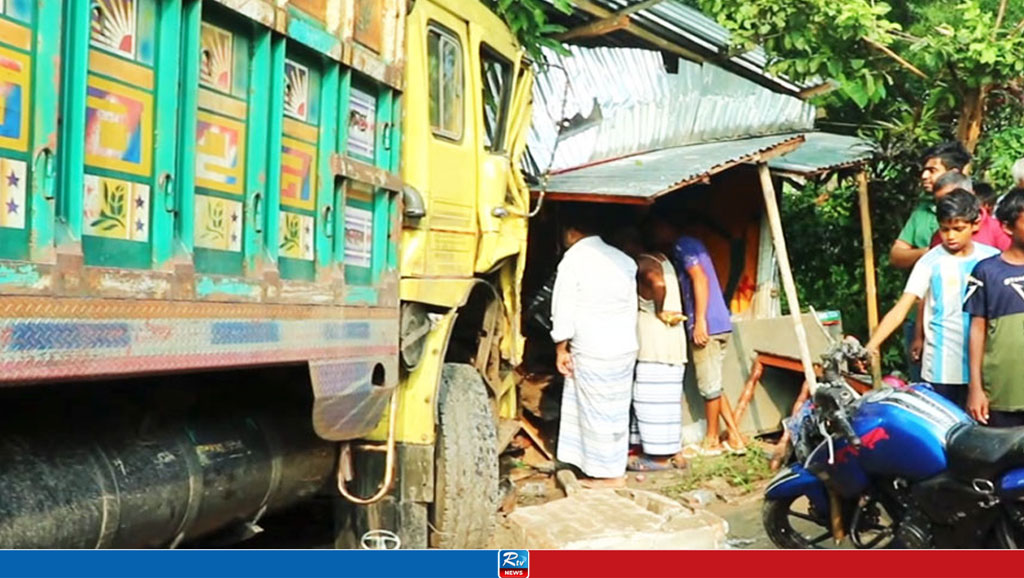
(729, 486)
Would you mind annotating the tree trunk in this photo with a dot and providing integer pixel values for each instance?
(972, 115)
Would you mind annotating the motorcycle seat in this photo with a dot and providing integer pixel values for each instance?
(976, 451)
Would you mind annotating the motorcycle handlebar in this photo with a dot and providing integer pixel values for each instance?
(831, 406)
(845, 429)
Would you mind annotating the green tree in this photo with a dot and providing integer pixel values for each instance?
(930, 56)
(530, 23)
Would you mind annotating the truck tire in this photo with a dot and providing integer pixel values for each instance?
(465, 509)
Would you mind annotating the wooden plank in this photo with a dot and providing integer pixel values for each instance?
(871, 288)
(507, 430)
(775, 223)
(535, 437)
(602, 12)
(596, 28)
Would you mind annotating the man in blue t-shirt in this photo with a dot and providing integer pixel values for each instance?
(709, 326)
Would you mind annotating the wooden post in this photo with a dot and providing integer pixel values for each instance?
(869, 268)
(775, 223)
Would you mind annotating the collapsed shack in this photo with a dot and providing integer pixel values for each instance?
(716, 170)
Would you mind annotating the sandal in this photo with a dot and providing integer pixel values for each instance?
(740, 451)
(699, 450)
(645, 464)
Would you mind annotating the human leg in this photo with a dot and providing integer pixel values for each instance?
(708, 361)
(956, 393)
(913, 367)
(657, 398)
(998, 418)
(732, 430)
(594, 430)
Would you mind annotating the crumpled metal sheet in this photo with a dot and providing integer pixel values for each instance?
(688, 27)
(624, 102)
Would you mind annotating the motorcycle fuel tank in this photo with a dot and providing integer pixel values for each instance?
(903, 432)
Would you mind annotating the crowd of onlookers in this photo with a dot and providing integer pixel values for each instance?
(963, 305)
(625, 313)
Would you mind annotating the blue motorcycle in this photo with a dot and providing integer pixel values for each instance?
(894, 468)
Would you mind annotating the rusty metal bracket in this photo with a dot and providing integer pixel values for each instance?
(346, 471)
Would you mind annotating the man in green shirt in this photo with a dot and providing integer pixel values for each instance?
(916, 237)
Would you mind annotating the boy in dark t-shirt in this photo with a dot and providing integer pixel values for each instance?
(995, 301)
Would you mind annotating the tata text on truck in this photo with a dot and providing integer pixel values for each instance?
(250, 250)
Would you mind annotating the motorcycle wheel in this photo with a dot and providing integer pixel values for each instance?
(810, 532)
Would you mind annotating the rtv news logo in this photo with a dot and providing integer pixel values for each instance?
(513, 563)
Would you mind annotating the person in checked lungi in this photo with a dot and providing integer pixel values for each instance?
(594, 317)
(660, 361)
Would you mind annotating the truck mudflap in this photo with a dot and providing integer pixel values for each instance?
(351, 395)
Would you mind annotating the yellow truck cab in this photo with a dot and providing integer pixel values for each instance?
(252, 251)
(467, 108)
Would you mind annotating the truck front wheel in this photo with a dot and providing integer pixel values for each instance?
(465, 508)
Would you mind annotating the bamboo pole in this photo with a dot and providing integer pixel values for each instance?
(869, 268)
(775, 224)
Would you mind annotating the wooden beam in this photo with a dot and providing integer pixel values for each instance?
(775, 223)
(601, 12)
(596, 28)
(817, 90)
(869, 268)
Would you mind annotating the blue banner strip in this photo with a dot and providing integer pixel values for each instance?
(249, 563)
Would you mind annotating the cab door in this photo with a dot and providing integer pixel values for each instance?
(451, 147)
(496, 67)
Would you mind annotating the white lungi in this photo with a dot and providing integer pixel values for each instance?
(657, 404)
(593, 432)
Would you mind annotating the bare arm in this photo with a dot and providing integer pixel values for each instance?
(977, 401)
(917, 343)
(903, 256)
(891, 321)
(700, 304)
(652, 283)
(563, 316)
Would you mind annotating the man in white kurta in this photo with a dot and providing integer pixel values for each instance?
(594, 320)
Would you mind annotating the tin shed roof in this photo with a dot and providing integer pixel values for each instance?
(823, 152)
(642, 178)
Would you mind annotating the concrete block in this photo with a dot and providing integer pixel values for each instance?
(617, 520)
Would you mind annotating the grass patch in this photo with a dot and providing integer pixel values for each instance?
(738, 471)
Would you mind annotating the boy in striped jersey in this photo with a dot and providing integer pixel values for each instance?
(940, 279)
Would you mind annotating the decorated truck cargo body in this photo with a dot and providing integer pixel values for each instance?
(208, 192)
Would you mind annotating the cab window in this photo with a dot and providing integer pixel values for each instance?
(496, 76)
(444, 62)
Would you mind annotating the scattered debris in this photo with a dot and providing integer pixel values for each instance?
(534, 489)
(699, 498)
(509, 496)
(535, 437)
(740, 542)
(568, 482)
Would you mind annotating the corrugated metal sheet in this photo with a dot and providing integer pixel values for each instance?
(676, 22)
(822, 152)
(643, 178)
(629, 104)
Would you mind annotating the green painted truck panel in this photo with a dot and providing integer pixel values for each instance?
(188, 152)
